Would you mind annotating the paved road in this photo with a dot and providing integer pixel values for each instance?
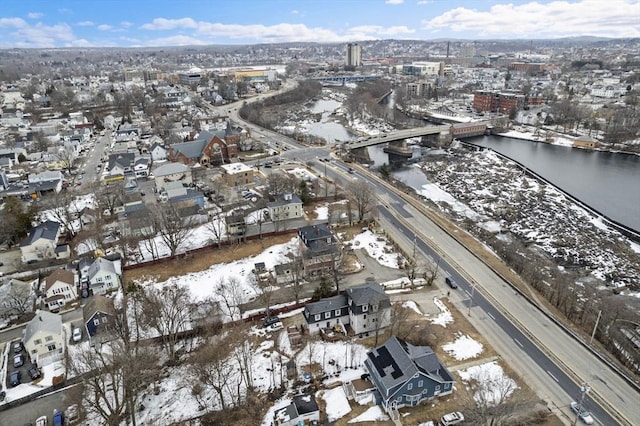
(28, 413)
(562, 364)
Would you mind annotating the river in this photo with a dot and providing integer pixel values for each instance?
(607, 182)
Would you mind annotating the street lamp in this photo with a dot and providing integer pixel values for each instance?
(584, 389)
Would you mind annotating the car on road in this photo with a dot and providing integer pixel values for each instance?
(18, 360)
(58, 418)
(77, 334)
(451, 283)
(582, 414)
(351, 170)
(452, 419)
(41, 421)
(15, 377)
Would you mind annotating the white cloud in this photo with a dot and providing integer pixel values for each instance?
(126, 24)
(394, 1)
(177, 40)
(35, 15)
(104, 27)
(38, 35)
(613, 18)
(295, 12)
(383, 31)
(159, 24)
(211, 32)
(12, 23)
(85, 24)
(424, 1)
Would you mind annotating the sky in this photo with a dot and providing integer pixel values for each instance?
(135, 23)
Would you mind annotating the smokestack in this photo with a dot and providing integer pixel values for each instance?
(448, 48)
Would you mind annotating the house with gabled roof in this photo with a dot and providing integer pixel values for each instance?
(44, 338)
(104, 276)
(42, 243)
(365, 308)
(320, 250)
(406, 375)
(59, 289)
(369, 308)
(99, 317)
(302, 410)
(285, 206)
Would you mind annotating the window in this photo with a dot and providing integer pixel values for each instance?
(437, 388)
(410, 386)
(327, 314)
(337, 312)
(420, 383)
(48, 338)
(51, 347)
(37, 342)
(317, 317)
(34, 351)
(96, 321)
(365, 308)
(364, 316)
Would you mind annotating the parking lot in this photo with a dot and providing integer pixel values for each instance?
(19, 367)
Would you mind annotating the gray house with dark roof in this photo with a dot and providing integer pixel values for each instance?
(366, 308)
(406, 375)
(302, 410)
(320, 250)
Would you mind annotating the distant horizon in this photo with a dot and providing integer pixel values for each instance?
(160, 23)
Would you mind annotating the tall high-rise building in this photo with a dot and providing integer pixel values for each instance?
(354, 55)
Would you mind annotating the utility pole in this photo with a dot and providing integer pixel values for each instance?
(593, 333)
(584, 389)
(473, 290)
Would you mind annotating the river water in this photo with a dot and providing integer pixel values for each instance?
(607, 182)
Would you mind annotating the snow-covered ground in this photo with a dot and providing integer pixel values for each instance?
(492, 386)
(378, 247)
(445, 316)
(464, 347)
(373, 414)
(337, 403)
(512, 204)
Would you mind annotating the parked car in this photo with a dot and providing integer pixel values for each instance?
(270, 321)
(450, 282)
(18, 360)
(41, 421)
(17, 347)
(34, 372)
(77, 334)
(15, 377)
(58, 418)
(582, 414)
(452, 419)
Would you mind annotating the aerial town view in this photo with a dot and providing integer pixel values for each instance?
(330, 212)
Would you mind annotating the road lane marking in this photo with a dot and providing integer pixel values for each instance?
(552, 376)
(518, 342)
(492, 317)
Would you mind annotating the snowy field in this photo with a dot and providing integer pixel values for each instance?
(491, 385)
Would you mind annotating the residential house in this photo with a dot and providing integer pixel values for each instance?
(99, 317)
(285, 206)
(119, 166)
(406, 375)
(141, 167)
(237, 174)
(44, 338)
(172, 172)
(158, 152)
(42, 243)
(303, 410)
(327, 313)
(235, 225)
(365, 308)
(320, 250)
(59, 289)
(369, 308)
(103, 276)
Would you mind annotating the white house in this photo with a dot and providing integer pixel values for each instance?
(285, 206)
(44, 338)
(59, 289)
(103, 276)
(42, 243)
(158, 152)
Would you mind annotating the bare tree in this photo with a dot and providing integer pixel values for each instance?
(19, 299)
(264, 289)
(217, 225)
(174, 230)
(148, 236)
(212, 372)
(362, 195)
(230, 291)
(67, 158)
(64, 209)
(167, 311)
(297, 272)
